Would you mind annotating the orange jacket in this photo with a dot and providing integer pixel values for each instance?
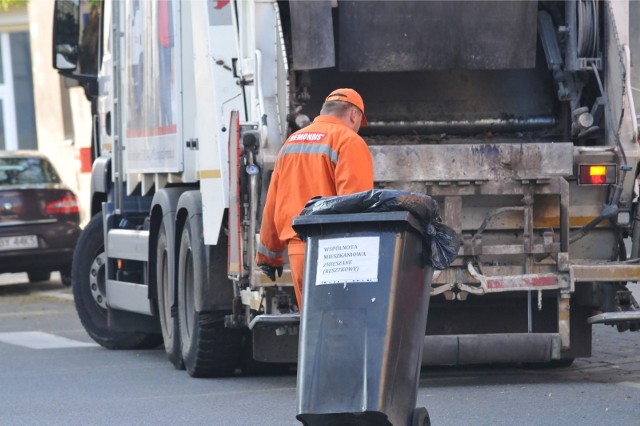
(325, 158)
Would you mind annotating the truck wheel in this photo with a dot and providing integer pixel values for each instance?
(168, 322)
(208, 348)
(88, 283)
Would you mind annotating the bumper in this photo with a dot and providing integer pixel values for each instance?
(580, 271)
(56, 243)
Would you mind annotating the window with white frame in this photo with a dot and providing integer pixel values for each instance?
(17, 114)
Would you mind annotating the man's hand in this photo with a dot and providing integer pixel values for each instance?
(270, 271)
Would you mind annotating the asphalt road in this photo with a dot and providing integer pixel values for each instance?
(51, 373)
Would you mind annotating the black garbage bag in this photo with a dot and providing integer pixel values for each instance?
(441, 241)
(442, 246)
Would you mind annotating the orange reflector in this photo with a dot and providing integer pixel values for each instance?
(119, 263)
(596, 174)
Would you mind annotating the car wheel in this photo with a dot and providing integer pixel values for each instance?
(168, 321)
(35, 276)
(88, 283)
(65, 276)
(208, 348)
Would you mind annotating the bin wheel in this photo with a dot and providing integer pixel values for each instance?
(420, 417)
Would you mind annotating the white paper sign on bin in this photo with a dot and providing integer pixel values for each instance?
(347, 260)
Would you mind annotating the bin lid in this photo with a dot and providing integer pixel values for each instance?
(301, 224)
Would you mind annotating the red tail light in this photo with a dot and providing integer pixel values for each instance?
(65, 205)
(597, 174)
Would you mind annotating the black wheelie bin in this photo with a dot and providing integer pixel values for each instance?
(364, 311)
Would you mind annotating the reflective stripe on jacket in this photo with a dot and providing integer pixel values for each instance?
(324, 159)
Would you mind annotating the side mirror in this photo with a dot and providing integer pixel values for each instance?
(66, 34)
(76, 38)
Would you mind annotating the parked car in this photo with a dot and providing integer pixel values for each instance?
(39, 217)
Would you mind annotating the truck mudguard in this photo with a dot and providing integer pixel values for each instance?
(216, 292)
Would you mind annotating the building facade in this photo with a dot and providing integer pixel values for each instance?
(17, 109)
(38, 108)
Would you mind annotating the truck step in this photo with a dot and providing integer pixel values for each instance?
(614, 317)
(275, 320)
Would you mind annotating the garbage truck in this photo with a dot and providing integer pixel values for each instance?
(518, 118)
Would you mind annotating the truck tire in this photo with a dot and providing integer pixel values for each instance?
(208, 348)
(88, 284)
(168, 322)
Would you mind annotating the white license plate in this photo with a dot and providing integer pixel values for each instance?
(19, 242)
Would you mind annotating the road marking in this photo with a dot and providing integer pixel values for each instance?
(41, 340)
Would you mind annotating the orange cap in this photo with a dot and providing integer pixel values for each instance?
(351, 96)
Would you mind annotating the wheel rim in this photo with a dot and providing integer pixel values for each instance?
(166, 300)
(97, 280)
(188, 293)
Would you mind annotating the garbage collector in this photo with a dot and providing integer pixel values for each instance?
(326, 158)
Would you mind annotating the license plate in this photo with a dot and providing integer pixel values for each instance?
(18, 243)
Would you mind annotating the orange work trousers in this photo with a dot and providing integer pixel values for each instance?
(296, 262)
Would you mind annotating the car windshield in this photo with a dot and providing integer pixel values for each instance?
(26, 170)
